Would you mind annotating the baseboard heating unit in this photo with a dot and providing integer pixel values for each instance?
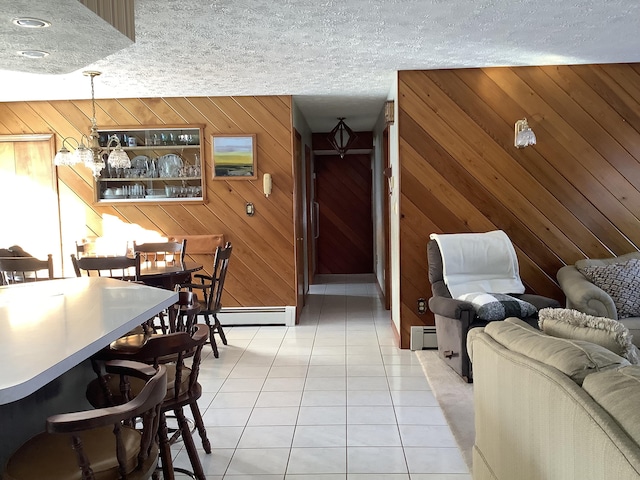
(258, 316)
(423, 338)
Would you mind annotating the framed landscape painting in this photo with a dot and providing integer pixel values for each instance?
(234, 157)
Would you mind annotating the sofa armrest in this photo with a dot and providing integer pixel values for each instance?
(450, 307)
(584, 296)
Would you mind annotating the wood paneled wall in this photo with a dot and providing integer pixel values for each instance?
(576, 194)
(262, 269)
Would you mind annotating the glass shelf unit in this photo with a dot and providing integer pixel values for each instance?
(167, 165)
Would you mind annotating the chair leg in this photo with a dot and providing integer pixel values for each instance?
(197, 419)
(165, 450)
(212, 339)
(190, 445)
(218, 329)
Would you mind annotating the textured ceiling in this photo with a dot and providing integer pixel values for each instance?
(337, 58)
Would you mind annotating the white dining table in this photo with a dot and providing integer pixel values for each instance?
(48, 327)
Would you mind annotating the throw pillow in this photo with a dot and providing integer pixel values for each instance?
(621, 281)
(498, 306)
(572, 324)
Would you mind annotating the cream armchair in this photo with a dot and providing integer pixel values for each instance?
(586, 297)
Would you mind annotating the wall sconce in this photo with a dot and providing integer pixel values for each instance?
(389, 112)
(266, 184)
(523, 135)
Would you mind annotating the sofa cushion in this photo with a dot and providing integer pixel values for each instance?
(498, 306)
(618, 392)
(572, 324)
(621, 281)
(574, 358)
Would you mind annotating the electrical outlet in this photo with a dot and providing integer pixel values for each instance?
(422, 306)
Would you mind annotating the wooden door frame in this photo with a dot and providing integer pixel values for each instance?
(386, 209)
(310, 198)
(298, 227)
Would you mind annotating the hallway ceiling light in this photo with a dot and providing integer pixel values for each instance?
(88, 149)
(341, 138)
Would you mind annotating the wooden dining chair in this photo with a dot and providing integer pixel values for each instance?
(120, 267)
(180, 353)
(25, 269)
(100, 443)
(170, 253)
(211, 288)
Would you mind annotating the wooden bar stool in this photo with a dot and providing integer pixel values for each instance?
(99, 443)
(171, 350)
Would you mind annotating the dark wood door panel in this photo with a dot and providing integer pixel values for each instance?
(345, 244)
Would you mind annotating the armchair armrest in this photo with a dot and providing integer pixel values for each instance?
(451, 307)
(583, 295)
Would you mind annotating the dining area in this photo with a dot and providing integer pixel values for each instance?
(139, 321)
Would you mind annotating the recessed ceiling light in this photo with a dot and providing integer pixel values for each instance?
(33, 53)
(28, 22)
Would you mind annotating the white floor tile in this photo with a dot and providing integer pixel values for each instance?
(322, 416)
(319, 398)
(258, 461)
(332, 398)
(224, 437)
(420, 416)
(325, 383)
(373, 436)
(371, 415)
(414, 398)
(279, 399)
(233, 400)
(273, 416)
(267, 437)
(283, 384)
(368, 397)
(320, 436)
(225, 417)
(317, 460)
(283, 371)
(435, 460)
(376, 460)
(427, 436)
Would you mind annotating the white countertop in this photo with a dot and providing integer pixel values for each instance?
(48, 327)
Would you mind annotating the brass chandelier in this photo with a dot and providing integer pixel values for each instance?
(88, 150)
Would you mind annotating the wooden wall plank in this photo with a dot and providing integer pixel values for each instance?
(262, 270)
(576, 194)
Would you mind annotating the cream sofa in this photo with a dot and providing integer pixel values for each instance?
(587, 297)
(548, 408)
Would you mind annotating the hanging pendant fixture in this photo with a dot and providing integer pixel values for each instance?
(341, 138)
(88, 150)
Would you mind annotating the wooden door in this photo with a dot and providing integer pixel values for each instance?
(345, 241)
(29, 196)
(298, 211)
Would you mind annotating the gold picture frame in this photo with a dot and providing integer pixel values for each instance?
(234, 157)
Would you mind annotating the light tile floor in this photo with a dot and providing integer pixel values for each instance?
(330, 399)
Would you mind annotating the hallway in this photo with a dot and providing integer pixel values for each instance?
(329, 399)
